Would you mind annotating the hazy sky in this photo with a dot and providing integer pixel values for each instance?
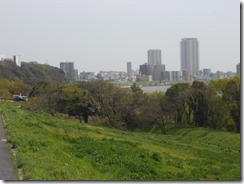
(105, 34)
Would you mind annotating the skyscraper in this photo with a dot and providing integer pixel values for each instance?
(129, 70)
(16, 59)
(68, 68)
(189, 54)
(238, 69)
(175, 75)
(154, 57)
(155, 62)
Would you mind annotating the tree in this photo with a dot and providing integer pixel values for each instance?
(19, 87)
(78, 102)
(5, 86)
(113, 101)
(231, 95)
(136, 100)
(44, 97)
(39, 88)
(224, 98)
(218, 109)
(157, 110)
(198, 102)
(177, 95)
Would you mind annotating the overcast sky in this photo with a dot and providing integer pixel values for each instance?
(105, 34)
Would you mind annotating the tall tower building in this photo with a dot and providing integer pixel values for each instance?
(175, 75)
(238, 69)
(189, 54)
(68, 68)
(154, 57)
(16, 59)
(129, 71)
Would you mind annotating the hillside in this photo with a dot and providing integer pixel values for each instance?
(49, 148)
(30, 73)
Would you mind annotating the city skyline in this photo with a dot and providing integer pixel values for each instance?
(104, 35)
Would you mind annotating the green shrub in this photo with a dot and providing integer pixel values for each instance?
(156, 157)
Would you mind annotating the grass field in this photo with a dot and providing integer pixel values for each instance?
(49, 148)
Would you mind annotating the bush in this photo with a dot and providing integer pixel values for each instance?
(156, 157)
(231, 126)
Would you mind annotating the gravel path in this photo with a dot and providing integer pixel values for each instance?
(6, 168)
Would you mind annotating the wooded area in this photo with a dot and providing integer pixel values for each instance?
(215, 105)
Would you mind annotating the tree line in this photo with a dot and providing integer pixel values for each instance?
(214, 105)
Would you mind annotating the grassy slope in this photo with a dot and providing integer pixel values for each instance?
(49, 148)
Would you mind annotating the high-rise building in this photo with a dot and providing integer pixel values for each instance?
(76, 74)
(157, 72)
(16, 59)
(145, 69)
(175, 75)
(145, 73)
(238, 70)
(165, 76)
(68, 68)
(154, 57)
(171, 76)
(129, 70)
(189, 54)
(155, 62)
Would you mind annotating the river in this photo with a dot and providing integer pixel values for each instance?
(150, 89)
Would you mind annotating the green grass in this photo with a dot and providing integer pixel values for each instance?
(49, 148)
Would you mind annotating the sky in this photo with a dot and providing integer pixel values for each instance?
(103, 35)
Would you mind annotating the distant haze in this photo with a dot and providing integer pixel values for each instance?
(106, 34)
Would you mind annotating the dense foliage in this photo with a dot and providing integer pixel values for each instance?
(9, 88)
(30, 73)
(216, 105)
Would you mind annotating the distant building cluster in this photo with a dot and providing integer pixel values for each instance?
(87, 76)
(112, 76)
(104, 76)
(153, 70)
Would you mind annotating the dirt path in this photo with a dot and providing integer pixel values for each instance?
(6, 168)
